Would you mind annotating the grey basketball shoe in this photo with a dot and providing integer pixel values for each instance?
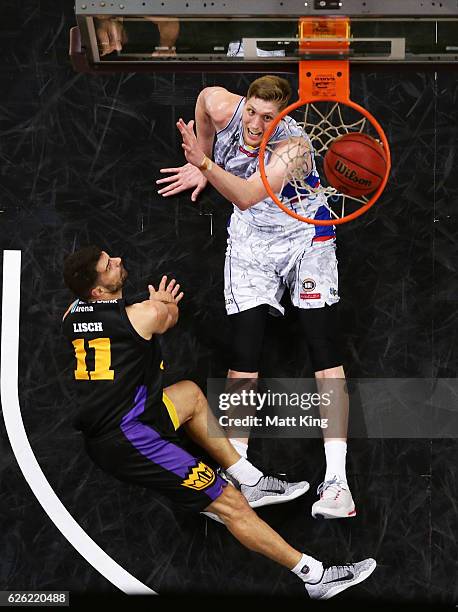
(337, 578)
(272, 490)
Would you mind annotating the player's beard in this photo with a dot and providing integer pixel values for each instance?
(115, 287)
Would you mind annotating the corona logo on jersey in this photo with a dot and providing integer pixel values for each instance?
(199, 477)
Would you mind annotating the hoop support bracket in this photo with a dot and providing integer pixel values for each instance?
(324, 78)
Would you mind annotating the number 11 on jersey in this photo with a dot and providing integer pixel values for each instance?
(102, 348)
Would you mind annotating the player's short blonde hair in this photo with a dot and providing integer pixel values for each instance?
(271, 89)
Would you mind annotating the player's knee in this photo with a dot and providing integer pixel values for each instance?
(245, 355)
(247, 331)
(232, 506)
(187, 398)
(196, 398)
(321, 329)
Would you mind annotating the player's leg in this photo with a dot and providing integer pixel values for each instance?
(251, 287)
(189, 404)
(246, 331)
(149, 455)
(320, 328)
(313, 286)
(196, 418)
(258, 536)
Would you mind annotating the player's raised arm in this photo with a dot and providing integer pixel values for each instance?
(214, 108)
(288, 158)
(188, 176)
(159, 313)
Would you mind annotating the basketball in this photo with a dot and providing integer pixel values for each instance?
(355, 164)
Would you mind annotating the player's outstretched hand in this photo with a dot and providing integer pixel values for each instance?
(180, 179)
(192, 150)
(168, 292)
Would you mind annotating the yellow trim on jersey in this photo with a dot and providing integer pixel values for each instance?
(171, 410)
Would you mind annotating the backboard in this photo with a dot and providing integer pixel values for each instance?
(229, 35)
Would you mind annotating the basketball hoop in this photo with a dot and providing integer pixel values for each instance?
(325, 113)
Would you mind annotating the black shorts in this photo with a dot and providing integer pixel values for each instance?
(139, 453)
(320, 330)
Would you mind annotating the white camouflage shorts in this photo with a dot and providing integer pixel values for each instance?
(261, 263)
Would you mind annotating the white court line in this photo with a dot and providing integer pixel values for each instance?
(22, 450)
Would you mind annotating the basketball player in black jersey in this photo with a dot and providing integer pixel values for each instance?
(129, 421)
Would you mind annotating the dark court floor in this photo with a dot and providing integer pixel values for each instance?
(80, 155)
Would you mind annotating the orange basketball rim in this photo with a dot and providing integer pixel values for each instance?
(322, 80)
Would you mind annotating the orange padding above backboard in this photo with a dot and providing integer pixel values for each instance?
(321, 78)
(324, 29)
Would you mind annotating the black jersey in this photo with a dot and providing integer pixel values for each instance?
(116, 371)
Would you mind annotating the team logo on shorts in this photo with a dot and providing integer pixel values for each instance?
(199, 477)
(308, 285)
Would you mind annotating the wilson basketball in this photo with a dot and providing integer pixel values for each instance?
(355, 164)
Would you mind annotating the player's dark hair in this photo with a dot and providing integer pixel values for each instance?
(80, 274)
(271, 89)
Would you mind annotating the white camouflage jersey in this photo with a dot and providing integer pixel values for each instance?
(233, 155)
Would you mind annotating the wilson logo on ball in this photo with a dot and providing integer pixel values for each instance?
(351, 175)
(355, 164)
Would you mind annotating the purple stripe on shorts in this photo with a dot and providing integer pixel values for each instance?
(149, 443)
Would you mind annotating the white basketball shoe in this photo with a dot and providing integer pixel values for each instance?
(335, 500)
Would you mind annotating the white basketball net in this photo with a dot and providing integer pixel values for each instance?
(322, 123)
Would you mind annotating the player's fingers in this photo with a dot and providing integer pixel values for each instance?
(171, 188)
(176, 289)
(196, 192)
(171, 285)
(170, 169)
(151, 290)
(167, 179)
(175, 191)
(184, 127)
(163, 283)
(179, 297)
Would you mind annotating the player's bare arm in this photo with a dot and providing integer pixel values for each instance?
(214, 109)
(159, 313)
(244, 193)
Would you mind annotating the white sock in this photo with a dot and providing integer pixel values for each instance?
(336, 453)
(240, 447)
(308, 569)
(244, 472)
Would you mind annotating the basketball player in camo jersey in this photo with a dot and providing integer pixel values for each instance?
(269, 251)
